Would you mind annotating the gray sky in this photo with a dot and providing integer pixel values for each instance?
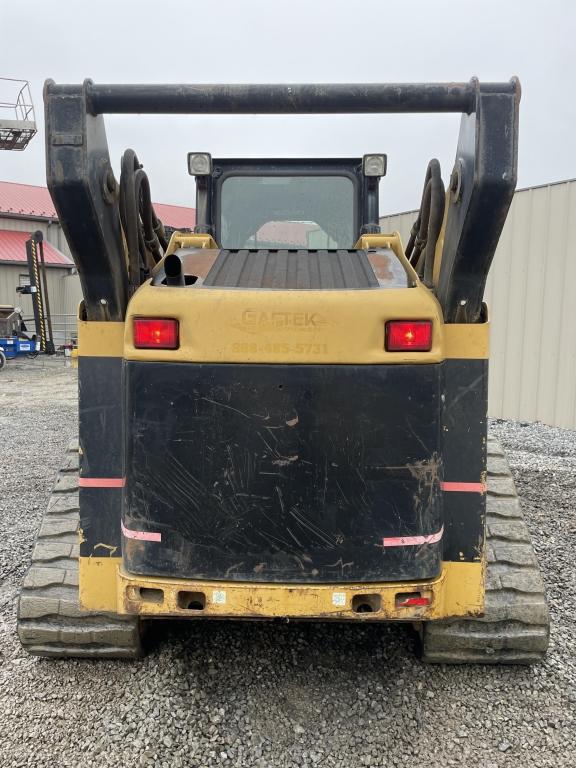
(243, 41)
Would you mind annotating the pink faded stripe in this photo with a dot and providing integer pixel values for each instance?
(140, 535)
(465, 487)
(412, 541)
(102, 482)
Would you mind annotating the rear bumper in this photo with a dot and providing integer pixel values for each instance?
(105, 585)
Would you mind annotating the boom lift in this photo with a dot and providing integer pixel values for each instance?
(283, 413)
(17, 119)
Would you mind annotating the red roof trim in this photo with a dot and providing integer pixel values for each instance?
(26, 200)
(13, 250)
(29, 201)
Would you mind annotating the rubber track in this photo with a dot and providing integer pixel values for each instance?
(50, 622)
(515, 627)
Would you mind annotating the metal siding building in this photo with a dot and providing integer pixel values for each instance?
(26, 209)
(531, 296)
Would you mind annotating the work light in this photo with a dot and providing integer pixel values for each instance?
(199, 163)
(374, 165)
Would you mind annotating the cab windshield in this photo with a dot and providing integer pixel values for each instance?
(287, 212)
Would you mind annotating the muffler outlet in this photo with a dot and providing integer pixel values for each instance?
(173, 270)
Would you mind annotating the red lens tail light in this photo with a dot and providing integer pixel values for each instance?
(155, 333)
(408, 336)
(411, 600)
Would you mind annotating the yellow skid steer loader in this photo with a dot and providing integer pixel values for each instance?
(282, 412)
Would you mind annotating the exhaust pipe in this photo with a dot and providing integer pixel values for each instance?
(173, 270)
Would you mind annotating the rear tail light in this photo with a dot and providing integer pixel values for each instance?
(411, 600)
(408, 336)
(155, 333)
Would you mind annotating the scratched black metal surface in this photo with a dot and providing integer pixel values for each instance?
(101, 441)
(464, 429)
(286, 473)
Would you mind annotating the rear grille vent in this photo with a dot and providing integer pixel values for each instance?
(292, 268)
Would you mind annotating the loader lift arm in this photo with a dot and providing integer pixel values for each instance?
(481, 185)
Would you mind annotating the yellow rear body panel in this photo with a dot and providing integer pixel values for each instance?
(230, 325)
(105, 586)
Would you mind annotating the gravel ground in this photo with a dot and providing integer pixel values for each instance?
(258, 694)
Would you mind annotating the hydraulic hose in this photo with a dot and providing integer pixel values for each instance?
(426, 230)
(144, 232)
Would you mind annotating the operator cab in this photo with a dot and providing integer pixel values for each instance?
(285, 224)
(285, 203)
